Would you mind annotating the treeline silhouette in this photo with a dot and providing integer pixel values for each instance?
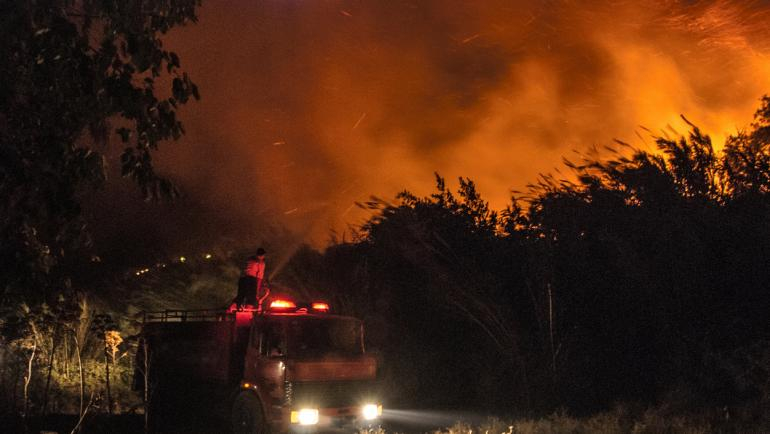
(642, 277)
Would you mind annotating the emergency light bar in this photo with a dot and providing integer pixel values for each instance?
(283, 304)
(320, 306)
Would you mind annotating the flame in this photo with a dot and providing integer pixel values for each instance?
(311, 106)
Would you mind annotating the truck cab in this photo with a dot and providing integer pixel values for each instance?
(290, 367)
(308, 369)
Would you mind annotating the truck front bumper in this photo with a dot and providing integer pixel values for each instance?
(334, 419)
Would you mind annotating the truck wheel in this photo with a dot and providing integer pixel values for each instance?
(247, 416)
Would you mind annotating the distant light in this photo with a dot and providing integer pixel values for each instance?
(208, 256)
(182, 259)
(139, 273)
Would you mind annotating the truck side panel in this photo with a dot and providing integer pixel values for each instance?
(194, 350)
(195, 367)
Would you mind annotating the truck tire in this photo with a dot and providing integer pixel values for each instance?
(247, 415)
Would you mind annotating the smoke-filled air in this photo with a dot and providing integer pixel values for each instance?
(309, 107)
(384, 216)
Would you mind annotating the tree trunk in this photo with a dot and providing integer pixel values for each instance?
(28, 377)
(54, 343)
(146, 385)
(82, 375)
(3, 376)
(107, 376)
(551, 333)
(66, 365)
(83, 416)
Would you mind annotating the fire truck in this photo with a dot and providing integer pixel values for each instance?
(288, 368)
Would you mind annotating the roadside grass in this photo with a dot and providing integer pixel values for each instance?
(620, 420)
(617, 421)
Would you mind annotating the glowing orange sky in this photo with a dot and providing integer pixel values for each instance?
(309, 106)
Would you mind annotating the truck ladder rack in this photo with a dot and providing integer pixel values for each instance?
(171, 315)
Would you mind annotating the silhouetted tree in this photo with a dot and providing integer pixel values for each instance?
(67, 71)
(657, 260)
(641, 274)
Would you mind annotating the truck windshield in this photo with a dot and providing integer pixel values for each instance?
(311, 337)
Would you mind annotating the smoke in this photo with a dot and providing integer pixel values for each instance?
(310, 106)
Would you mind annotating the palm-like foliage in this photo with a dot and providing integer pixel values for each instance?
(628, 278)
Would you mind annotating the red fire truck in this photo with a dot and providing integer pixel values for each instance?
(294, 366)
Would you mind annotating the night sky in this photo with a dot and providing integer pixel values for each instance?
(310, 106)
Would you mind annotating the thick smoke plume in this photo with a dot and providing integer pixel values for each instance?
(310, 106)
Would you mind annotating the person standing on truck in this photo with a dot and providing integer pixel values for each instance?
(250, 282)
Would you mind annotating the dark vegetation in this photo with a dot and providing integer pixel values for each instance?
(75, 77)
(642, 279)
(77, 80)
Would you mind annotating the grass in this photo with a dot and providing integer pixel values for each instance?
(620, 420)
(617, 421)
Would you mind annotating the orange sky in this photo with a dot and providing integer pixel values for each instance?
(308, 106)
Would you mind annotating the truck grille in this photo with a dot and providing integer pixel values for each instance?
(329, 394)
(288, 393)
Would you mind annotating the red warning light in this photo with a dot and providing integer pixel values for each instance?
(320, 306)
(282, 304)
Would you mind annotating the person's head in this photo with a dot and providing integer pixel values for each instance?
(261, 252)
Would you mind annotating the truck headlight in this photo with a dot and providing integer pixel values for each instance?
(371, 411)
(306, 416)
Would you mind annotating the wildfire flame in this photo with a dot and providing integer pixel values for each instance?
(316, 105)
